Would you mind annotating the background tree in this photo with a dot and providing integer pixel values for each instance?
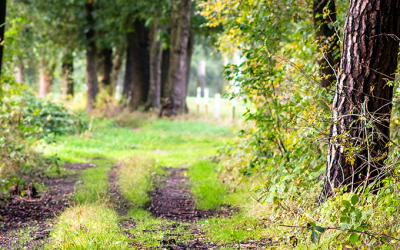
(180, 33)
(324, 15)
(91, 70)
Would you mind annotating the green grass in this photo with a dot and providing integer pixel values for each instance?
(142, 149)
(207, 188)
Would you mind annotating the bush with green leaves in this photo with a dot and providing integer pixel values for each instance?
(26, 121)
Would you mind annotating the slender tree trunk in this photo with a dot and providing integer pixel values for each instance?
(164, 71)
(3, 5)
(327, 40)
(188, 63)
(106, 67)
(153, 99)
(46, 79)
(117, 65)
(67, 80)
(180, 32)
(363, 100)
(137, 75)
(91, 69)
(19, 71)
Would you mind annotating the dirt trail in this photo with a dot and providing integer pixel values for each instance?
(34, 213)
(173, 200)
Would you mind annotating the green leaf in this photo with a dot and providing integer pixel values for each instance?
(354, 199)
(344, 219)
(346, 203)
(314, 237)
(354, 238)
(319, 229)
(12, 154)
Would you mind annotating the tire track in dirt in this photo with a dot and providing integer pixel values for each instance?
(173, 200)
(34, 213)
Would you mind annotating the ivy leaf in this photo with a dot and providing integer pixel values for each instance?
(354, 199)
(314, 237)
(354, 238)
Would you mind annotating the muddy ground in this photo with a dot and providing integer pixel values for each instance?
(35, 214)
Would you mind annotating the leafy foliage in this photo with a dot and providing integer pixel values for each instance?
(283, 143)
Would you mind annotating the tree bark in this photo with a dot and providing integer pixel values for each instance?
(154, 95)
(180, 32)
(188, 63)
(164, 71)
(3, 8)
(106, 67)
(67, 80)
(363, 100)
(327, 40)
(46, 78)
(137, 75)
(91, 69)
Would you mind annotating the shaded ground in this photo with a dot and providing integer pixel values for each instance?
(33, 215)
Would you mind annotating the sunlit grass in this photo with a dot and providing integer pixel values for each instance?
(89, 226)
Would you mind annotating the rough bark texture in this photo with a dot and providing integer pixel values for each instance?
(166, 55)
(154, 95)
(106, 67)
(46, 78)
(91, 69)
(362, 96)
(67, 69)
(3, 5)
(180, 32)
(137, 74)
(327, 40)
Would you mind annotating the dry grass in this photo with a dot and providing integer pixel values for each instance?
(135, 179)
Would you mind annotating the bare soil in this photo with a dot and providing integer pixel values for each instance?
(173, 200)
(35, 214)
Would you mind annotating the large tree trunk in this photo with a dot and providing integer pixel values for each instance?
(327, 40)
(91, 69)
(3, 5)
(188, 63)
(137, 75)
(154, 95)
(46, 79)
(67, 81)
(363, 100)
(106, 67)
(180, 32)
(166, 55)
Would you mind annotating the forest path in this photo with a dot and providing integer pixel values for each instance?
(172, 198)
(132, 200)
